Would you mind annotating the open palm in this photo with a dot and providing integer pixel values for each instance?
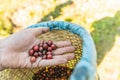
(16, 47)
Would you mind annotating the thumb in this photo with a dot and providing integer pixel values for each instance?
(40, 30)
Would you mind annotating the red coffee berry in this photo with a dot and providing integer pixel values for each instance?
(44, 57)
(49, 56)
(49, 49)
(36, 54)
(33, 59)
(40, 54)
(31, 52)
(49, 53)
(50, 42)
(45, 46)
(44, 75)
(53, 46)
(40, 45)
(35, 48)
(40, 49)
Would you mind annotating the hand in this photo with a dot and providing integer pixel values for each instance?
(14, 50)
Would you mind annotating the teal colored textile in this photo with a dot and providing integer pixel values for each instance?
(86, 67)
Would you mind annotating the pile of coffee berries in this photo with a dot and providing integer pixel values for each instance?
(53, 73)
(43, 49)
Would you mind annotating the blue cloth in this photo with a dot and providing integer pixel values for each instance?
(86, 67)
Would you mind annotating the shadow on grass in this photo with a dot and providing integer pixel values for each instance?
(105, 31)
(56, 12)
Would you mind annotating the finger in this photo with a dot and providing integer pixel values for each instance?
(44, 63)
(61, 59)
(26, 63)
(36, 63)
(64, 50)
(29, 64)
(65, 56)
(40, 30)
(62, 43)
(51, 62)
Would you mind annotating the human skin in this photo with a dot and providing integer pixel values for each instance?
(14, 50)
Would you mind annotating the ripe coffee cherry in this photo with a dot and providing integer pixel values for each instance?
(41, 49)
(49, 56)
(33, 59)
(40, 54)
(36, 54)
(49, 53)
(53, 46)
(44, 75)
(45, 46)
(31, 52)
(50, 43)
(35, 48)
(53, 73)
(41, 45)
(49, 49)
(44, 57)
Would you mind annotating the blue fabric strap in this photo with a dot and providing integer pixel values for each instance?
(86, 67)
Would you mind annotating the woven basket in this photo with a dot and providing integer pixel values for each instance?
(59, 30)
